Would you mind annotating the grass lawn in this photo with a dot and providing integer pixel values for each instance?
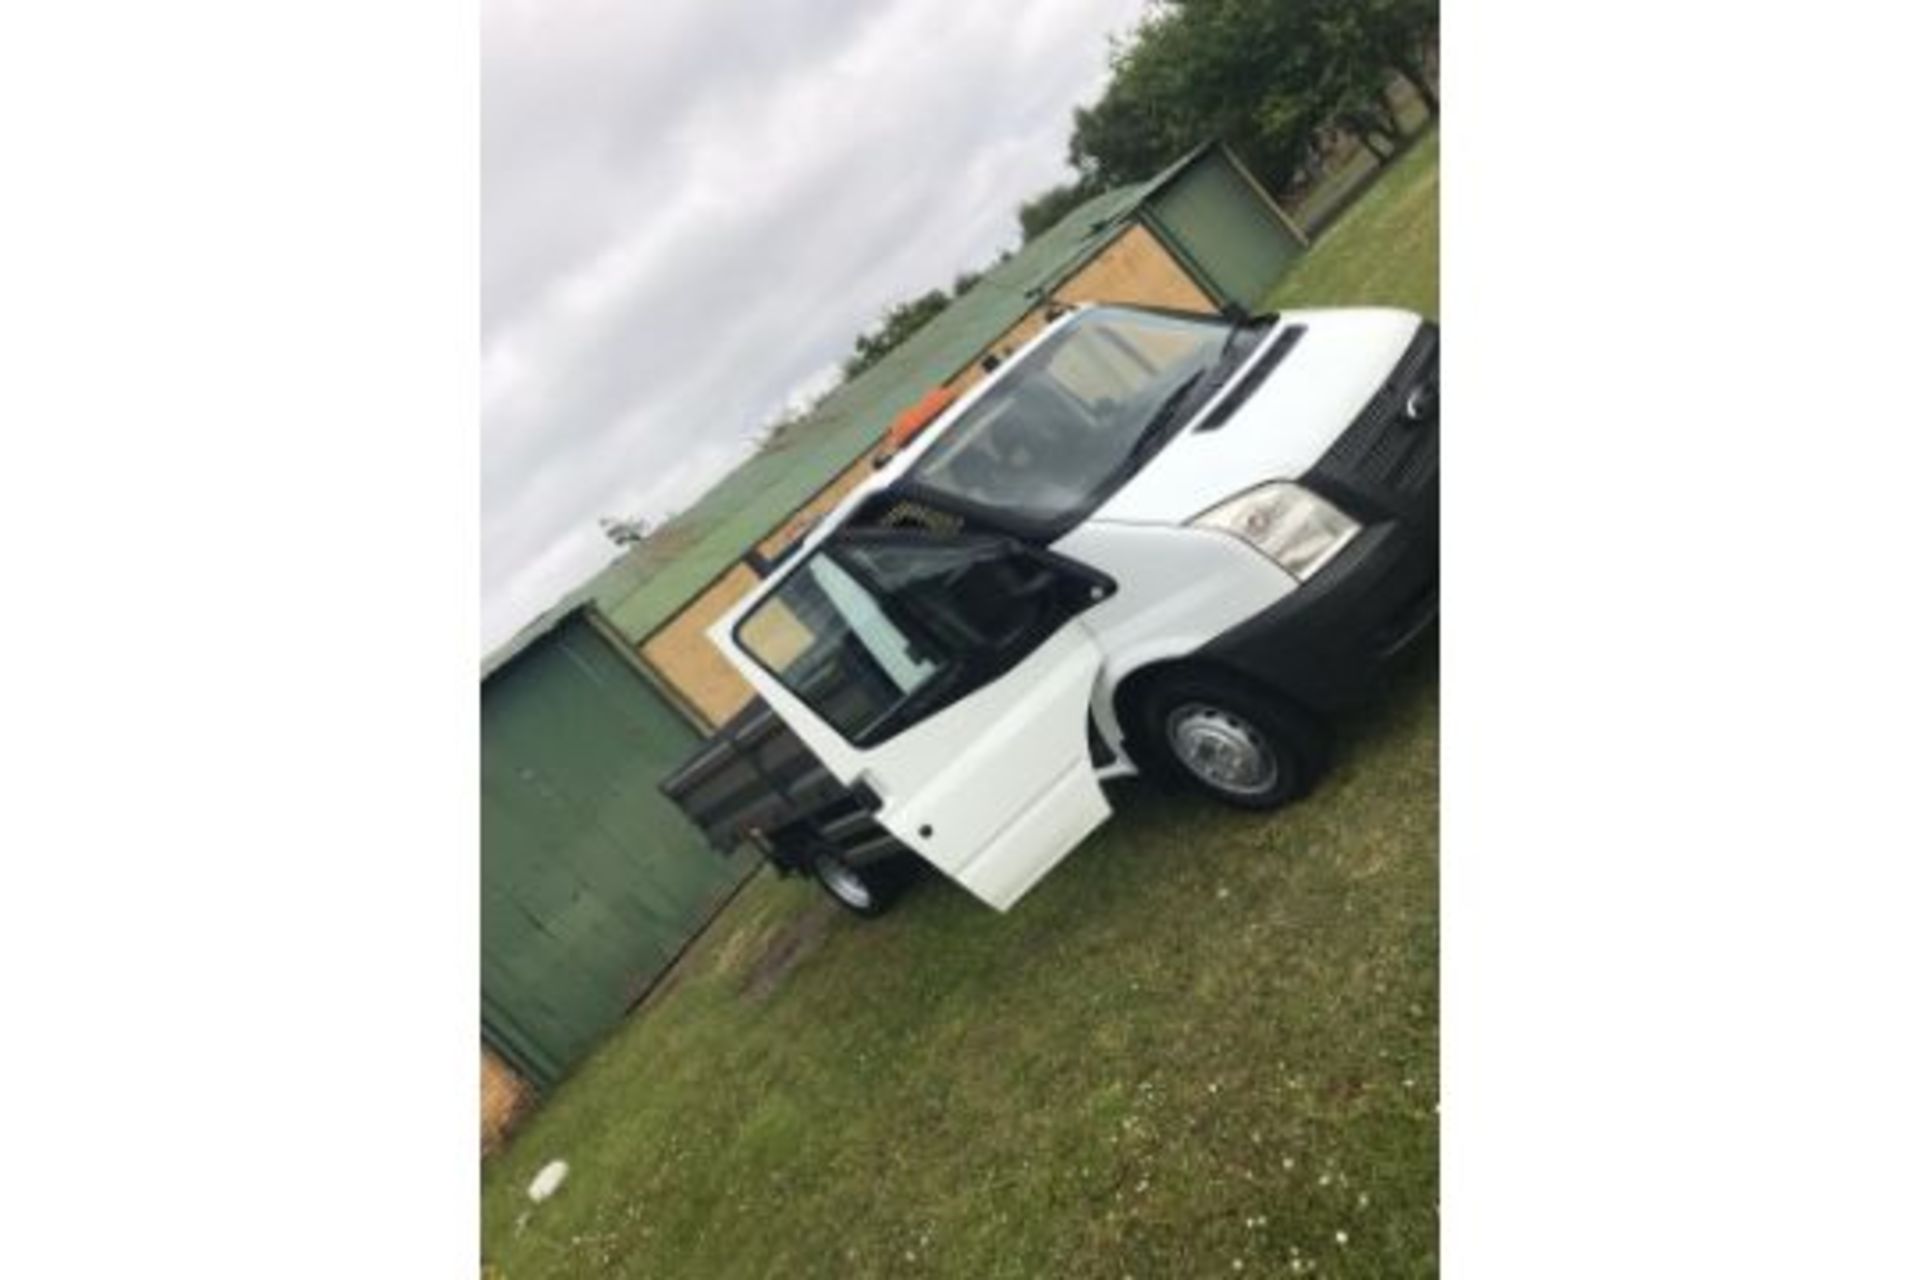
(1358, 166)
(1385, 251)
(1206, 1045)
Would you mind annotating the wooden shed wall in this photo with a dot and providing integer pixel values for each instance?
(682, 656)
(1136, 267)
(680, 653)
(504, 1098)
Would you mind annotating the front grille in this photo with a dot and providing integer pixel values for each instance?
(1386, 455)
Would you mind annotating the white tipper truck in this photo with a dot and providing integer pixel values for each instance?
(1146, 541)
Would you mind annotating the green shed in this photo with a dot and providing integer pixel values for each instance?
(1220, 222)
(591, 883)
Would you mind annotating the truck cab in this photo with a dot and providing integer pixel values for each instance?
(1148, 541)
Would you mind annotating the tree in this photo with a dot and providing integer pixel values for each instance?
(1402, 35)
(1352, 76)
(900, 322)
(1269, 77)
(1238, 70)
(625, 533)
(1147, 117)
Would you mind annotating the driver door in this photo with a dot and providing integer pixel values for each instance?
(950, 676)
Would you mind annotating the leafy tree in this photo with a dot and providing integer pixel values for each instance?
(1149, 114)
(1403, 36)
(1350, 78)
(1200, 69)
(1272, 78)
(625, 532)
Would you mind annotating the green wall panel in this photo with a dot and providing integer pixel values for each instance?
(591, 882)
(1220, 224)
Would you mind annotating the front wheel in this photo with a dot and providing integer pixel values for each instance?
(1233, 740)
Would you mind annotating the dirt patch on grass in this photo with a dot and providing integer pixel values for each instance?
(793, 942)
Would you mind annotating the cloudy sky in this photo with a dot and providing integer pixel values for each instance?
(691, 207)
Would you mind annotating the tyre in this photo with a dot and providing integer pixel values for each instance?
(867, 891)
(1231, 739)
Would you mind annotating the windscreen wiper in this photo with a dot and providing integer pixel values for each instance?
(1163, 417)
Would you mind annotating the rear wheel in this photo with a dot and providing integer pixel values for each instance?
(866, 891)
(1233, 740)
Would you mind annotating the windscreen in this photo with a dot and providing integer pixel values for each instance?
(1059, 429)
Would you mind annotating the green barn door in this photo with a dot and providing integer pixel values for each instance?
(1218, 222)
(591, 882)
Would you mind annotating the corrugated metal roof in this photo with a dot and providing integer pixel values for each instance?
(651, 582)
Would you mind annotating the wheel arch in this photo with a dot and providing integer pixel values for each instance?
(790, 847)
(1129, 695)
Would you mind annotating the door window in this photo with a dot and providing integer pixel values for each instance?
(828, 639)
(876, 631)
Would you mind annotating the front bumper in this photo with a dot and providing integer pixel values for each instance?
(1329, 641)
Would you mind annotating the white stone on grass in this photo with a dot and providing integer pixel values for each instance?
(547, 1181)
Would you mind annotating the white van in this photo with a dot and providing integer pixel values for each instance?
(1149, 540)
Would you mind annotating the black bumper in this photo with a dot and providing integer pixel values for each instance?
(1328, 643)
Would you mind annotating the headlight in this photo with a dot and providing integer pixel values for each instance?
(1295, 528)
